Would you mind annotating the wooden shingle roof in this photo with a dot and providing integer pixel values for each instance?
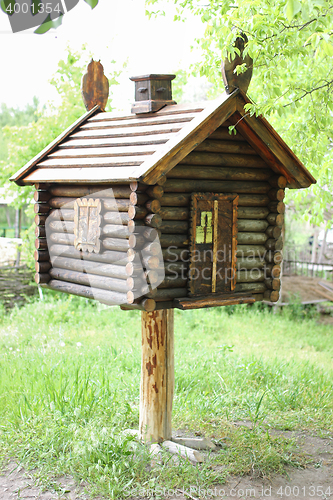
(103, 147)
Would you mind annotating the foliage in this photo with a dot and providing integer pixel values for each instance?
(26, 141)
(69, 386)
(291, 43)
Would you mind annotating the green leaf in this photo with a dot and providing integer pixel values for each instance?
(292, 8)
(92, 3)
(48, 24)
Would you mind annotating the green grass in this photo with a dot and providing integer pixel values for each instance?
(69, 385)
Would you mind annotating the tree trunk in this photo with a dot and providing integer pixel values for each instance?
(157, 375)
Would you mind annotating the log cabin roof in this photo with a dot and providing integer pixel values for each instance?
(106, 148)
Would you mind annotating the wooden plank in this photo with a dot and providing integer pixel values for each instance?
(222, 134)
(215, 146)
(92, 162)
(241, 187)
(157, 375)
(224, 160)
(109, 152)
(219, 173)
(142, 121)
(93, 175)
(161, 162)
(197, 303)
(19, 176)
(168, 110)
(116, 141)
(264, 135)
(132, 131)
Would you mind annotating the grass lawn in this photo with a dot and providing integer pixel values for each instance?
(69, 385)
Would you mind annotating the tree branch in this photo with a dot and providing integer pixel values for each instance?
(308, 92)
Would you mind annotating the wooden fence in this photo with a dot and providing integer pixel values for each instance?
(16, 284)
(305, 268)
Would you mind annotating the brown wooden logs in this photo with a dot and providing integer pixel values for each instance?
(272, 244)
(275, 219)
(255, 287)
(276, 194)
(155, 192)
(148, 305)
(137, 212)
(138, 198)
(273, 283)
(178, 240)
(251, 250)
(41, 208)
(168, 293)
(249, 225)
(251, 238)
(153, 220)
(173, 282)
(42, 267)
(91, 267)
(116, 218)
(62, 238)
(175, 227)
(239, 187)
(59, 202)
(75, 191)
(117, 244)
(213, 146)
(176, 269)
(40, 244)
(119, 258)
(104, 296)
(114, 205)
(41, 255)
(62, 214)
(252, 213)
(250, 275)
(40, 220)
(42, 278)
(40, 232)
(41, 196)
(272, 295)
(222, 173)
(249, 206)
(224, 160)
(277, 206)
(274, 257)
(173, 254)
(153, 206)
(104, 282)
(273, 270)
(249, 263)
(174, 213)
(150, 233)
(278, 182)
(274, 232)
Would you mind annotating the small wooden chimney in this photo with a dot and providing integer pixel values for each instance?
(152, 92)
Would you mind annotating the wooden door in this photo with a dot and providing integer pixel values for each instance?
(213, 243)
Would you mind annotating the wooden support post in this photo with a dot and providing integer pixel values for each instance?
(157, 375)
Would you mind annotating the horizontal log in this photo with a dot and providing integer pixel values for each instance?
(175, 200)
(165, 304)
(42, 267)
(152, 248)
(114, 205)
(257, 287)
(223, 134)
(273, 283)
(250, 263)
(75, 191)
(176, 227)
(178, 240)
(40, 232)
(150, 233)
(61, 226)
(239, 187)
(272, 244)
(213, 146)
(42, 186)
(224, 160)
(174, 254)
(41, 208)
(277, 207)
(40, 220)
(41, 196)
(250, 275)
(153, 220)
(279, 181)
(116, 218)
(273, 270)
(155, 192)
(117, 244)
(217, 301)
(137, 212)
(153, 206)
(258, 296)
(275, 219)
(272, 295)
(168, 294)
(62, 214)
(148, 305)
(274, 232)
(251, 250)
(138, 198)
(276, 194)
(173, 282)
(62, 238)
(176, 269)
(119, 258)
(174, 213)
(249, 225)
(41, 255)
(42, 278)
(252, 213)
(40, 243)
(274, 257)
(91, 267)
(149, 262)
(104, 283)
(103, 296)
(220, 173)
(251, 238)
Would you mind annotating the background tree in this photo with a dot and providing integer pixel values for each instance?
(291, 43)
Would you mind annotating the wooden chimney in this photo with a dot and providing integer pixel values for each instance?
(152, 92)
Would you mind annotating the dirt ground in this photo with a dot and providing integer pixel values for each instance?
(314, 482)
(307, 289)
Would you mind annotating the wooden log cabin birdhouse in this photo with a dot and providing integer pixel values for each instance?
(163, 208)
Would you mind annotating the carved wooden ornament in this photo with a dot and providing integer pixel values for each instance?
(231, 80)
(95, 86)
(87, 225)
